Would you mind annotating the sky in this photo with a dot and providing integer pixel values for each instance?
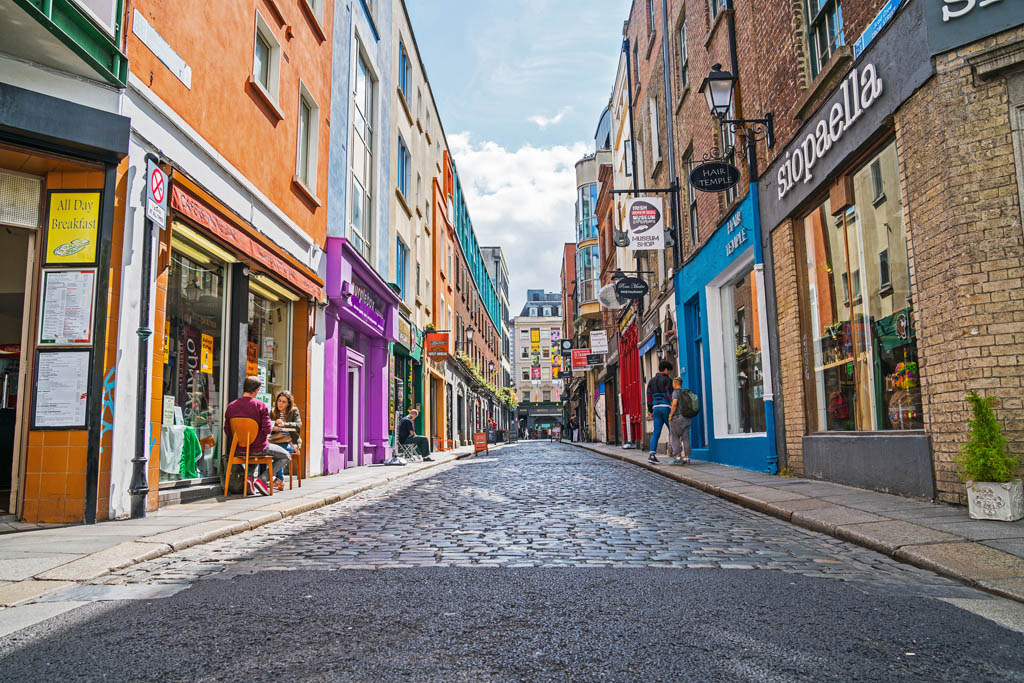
(519, 86)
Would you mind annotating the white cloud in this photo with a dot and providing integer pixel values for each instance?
(545, 121)
(523, 201)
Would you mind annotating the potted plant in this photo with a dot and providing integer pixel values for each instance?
(988, 470)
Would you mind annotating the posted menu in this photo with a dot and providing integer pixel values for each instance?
(62, 388)
(67, 307)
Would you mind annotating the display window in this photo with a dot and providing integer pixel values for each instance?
(741, 343)
(270, 324)
(192, 429)
(860, 314)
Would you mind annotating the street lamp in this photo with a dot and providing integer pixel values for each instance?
(718, 88)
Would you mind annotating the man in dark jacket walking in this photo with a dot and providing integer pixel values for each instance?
(659, 403)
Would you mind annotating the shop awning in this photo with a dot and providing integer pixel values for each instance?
(239, 239)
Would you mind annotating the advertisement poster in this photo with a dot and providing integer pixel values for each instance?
(535, 340)
(579, 359)
(206, 355)
(65, 316)
(535, 372)
(645, 223)
(250, 360)
(72, 227)
(599, 341)
(556, 334)
(62, 386)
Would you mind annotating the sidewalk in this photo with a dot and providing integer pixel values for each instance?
(942, 538)
(36, 563)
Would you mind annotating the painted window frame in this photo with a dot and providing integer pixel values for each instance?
(683, 53)
(309, 178)
(401, 266)
(365, 233)
(262, 30)
(819, 20)
(404, 161)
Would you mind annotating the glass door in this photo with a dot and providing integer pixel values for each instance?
(354, 437)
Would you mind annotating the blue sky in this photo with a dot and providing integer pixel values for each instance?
(520, 85)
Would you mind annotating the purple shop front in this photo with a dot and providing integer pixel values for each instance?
(362, 318)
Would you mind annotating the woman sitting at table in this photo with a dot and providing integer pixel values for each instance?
(287, 427)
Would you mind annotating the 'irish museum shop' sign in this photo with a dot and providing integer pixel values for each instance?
(645, 222)
(887, 73)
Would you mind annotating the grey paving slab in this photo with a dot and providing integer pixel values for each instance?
(104, 561)
(19, 566)
(12, 594)
(979, 530)
(769, 495)
(889, 535)
(828, 518)
(969, 559)
(99, 593)
(1014, 546)
(17, 618)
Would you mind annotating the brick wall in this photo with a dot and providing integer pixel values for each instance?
(966, 248)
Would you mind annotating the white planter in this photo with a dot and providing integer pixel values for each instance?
(992, 500)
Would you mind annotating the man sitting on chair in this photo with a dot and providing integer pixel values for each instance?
(407, 434)
(246, 405)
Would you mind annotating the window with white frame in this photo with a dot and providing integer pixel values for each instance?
(655, 133)
(266, 61)
(526, 373)
(316, 8)
(691, 199)
(650, 16)
(103, 11)
(362, 159)
(404, 162)
(418, 278)
(419, 104)
(419, 188)
(308, 143)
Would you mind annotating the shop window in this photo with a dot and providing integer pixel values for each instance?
(266, 64)
(865, 374)
(193, 363)
(308, 144)
(824, 31)
(270, 319)
(741, 347)
(362, 159)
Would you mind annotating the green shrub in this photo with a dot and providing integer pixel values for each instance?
(984, 455)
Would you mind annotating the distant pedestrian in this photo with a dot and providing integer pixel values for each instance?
(659, 404)
(679, 423)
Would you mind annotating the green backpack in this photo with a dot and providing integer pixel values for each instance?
(689, 404)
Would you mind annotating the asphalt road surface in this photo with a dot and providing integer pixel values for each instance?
(543, 562)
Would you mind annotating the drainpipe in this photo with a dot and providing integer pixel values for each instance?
(672, 177)
(766, 351)
(139, 487)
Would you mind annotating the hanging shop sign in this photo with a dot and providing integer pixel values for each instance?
(580, 360)
(631, 288)
(66, 309)
(595, 359)
(714, 176)
(645, 220)
(599, 341)
(436, 346)
(952, 23)
(889, 71)
(72, 228)
(404, 332)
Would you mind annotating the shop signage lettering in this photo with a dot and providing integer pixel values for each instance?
(436, 346)
(364, 302)
(738, 239)
(581, 359)
(594, 359)
(599, 341)
(858, 92)
(714, 176)
(965, 7)
(734, 224)
(404, 333)
(72, 228)
(952, 23)
(875, 27)
(645, 221)
(631, 288)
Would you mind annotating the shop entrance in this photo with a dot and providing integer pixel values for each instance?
(17, 259)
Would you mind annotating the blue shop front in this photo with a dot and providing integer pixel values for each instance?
(723, 345)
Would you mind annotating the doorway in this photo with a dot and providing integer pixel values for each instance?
(17, 261)
(354, 437)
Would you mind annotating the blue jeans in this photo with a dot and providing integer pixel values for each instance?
(660, 420)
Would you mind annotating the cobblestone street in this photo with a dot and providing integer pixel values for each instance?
(535, 505)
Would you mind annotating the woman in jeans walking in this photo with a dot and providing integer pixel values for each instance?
(678, 426)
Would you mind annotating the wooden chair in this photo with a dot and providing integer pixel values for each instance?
(296, 465)
(244, 430)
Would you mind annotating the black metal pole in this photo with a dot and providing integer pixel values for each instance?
(139, 488)
(632, 128)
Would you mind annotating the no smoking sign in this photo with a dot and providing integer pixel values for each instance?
(156, 194)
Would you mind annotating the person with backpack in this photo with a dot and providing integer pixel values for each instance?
(659, 403)
(685, 406)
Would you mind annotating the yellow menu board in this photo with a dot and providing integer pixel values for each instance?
(72, 227)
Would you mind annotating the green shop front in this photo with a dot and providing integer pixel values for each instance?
(406, 374)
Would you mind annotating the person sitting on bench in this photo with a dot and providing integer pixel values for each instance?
(407, 434)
